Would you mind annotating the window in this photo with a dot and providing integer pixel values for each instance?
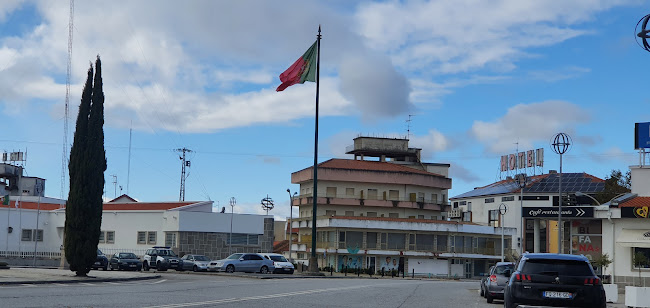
(489, 200)
(420, 216)
(645, 252)
(102, 237)
(424, 242)
(353, 239)
(38, 235)
(330, 213)
(110, 237)
(508, 198)
(151, 237)
(441, 243)
(349, 192)
(455, 205)
(142, 237)
(29, 235)
(170, 239)
(434, 198)
(371, 214)
(330, 192)
(393, 195)
(463, 202)
(371, 240)
(372, 194)
(396, 241)
(243, 239)
(393, 215)
(349, 213)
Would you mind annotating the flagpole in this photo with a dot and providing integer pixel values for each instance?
(313, 265)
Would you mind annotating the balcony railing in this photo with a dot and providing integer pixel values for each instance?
(491, 251)
(297, 200)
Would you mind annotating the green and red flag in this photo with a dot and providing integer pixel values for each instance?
(304, 69)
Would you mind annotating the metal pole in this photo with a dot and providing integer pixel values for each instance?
(312, 260)
(35, 236)
(290, 222)
(560, 247)
(502, 241)
(232, 213)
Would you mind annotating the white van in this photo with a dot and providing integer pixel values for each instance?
(282, 265)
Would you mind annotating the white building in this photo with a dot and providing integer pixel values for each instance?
(187, 227)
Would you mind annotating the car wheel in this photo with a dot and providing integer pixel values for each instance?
(264, 270)
(291, 272)
(507, 301)
(160, 267)
(145, 266)
(195, 268)
(230, 268)
(482, 292)
(489, 298)
(110, 266)
(105, 268)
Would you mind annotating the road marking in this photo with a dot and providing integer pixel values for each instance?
(159, 281)
(87, 284)
(27, 285)
(234, 300)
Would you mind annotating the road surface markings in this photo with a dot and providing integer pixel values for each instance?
(234, 300)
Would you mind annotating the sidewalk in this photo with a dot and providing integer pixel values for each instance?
(31, 275)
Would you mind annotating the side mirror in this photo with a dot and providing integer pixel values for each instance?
(241, 259)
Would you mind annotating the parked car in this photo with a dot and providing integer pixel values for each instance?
(100, 262)
(494, 284)
(127, 261)
(243, 262)
(161, 258)
(549, 279)
(282, 265)
(193, 262)
(484, 279)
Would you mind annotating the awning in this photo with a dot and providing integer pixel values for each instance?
(634, 238)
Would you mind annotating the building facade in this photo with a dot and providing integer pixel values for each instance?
(389, 213)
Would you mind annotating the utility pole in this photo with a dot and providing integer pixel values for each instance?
(186, 163)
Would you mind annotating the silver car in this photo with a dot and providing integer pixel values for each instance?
(498, 279)
(243, 262)
(193, 262)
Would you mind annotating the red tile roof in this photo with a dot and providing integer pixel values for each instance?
(636, 202)
(33, 205)
(137, 206)
(350, 164)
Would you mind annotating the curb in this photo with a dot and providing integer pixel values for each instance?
(79, 280)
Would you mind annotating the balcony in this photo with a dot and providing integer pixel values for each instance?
(491, 251)
(416, 203)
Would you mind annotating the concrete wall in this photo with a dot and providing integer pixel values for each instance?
(640, 177)
(622, 255)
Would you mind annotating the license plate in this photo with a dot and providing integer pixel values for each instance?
(132, 265)
(287, 269)
(98, 263)
(554, 294)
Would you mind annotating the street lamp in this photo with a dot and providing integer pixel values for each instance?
(522, 180)
(233, 201)
(503, 209)
(561, 144)
(291, 221)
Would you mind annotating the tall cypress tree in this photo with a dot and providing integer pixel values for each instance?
(86, 168)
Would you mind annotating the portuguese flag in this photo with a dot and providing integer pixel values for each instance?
(304, 69)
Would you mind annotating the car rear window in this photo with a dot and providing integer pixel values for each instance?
(278, 258)
(502, 269)
(557, 267)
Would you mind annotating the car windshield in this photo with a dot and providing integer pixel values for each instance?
(501, 269)
(99, 252)
(557, 267)
(127, 255)
(201, 258)
(278, 258)
(168, 253)
(234, 256)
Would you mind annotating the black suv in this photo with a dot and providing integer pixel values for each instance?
(550, 279)
(161, 258)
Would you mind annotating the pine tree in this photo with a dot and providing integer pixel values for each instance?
(86, 168)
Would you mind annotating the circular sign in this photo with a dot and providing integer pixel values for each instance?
(503, 208)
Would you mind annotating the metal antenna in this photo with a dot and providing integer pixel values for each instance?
(186, 163)
(64, 155)
(114, 185)
(408, 127)
(128, 168)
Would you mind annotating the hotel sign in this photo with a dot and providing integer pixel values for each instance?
(528, 159)
(551, 212)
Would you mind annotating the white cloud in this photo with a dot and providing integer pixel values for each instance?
(527, 124)
(433, 142)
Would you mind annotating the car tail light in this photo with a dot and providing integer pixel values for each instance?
(592, 281)
(493, 278)
(522, 278)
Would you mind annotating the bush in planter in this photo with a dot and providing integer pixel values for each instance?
(602, 263)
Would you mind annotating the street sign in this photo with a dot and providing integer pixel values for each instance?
(551, 212)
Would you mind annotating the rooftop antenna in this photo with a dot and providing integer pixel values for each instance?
(408, 127)
(114, 185)
(64, 155)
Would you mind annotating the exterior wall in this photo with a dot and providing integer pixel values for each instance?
(126, 225)
(640, 176)
(306, 210)
(26, 219)
(621, 255)
(220, 222)
(215, 244)
(371, 177)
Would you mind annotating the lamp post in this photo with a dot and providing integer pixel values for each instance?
(503, 209)
(233, 201)
(522, 180)
(561, 144)
(291, 221)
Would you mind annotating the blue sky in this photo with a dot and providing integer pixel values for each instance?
(476, 76)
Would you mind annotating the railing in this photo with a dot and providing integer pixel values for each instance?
(111, 251)
(492, 251)
(378, 197)
(30, 254)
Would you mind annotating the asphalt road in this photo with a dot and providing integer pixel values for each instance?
(191, 290)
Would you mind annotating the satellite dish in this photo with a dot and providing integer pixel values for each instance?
(223, 209)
